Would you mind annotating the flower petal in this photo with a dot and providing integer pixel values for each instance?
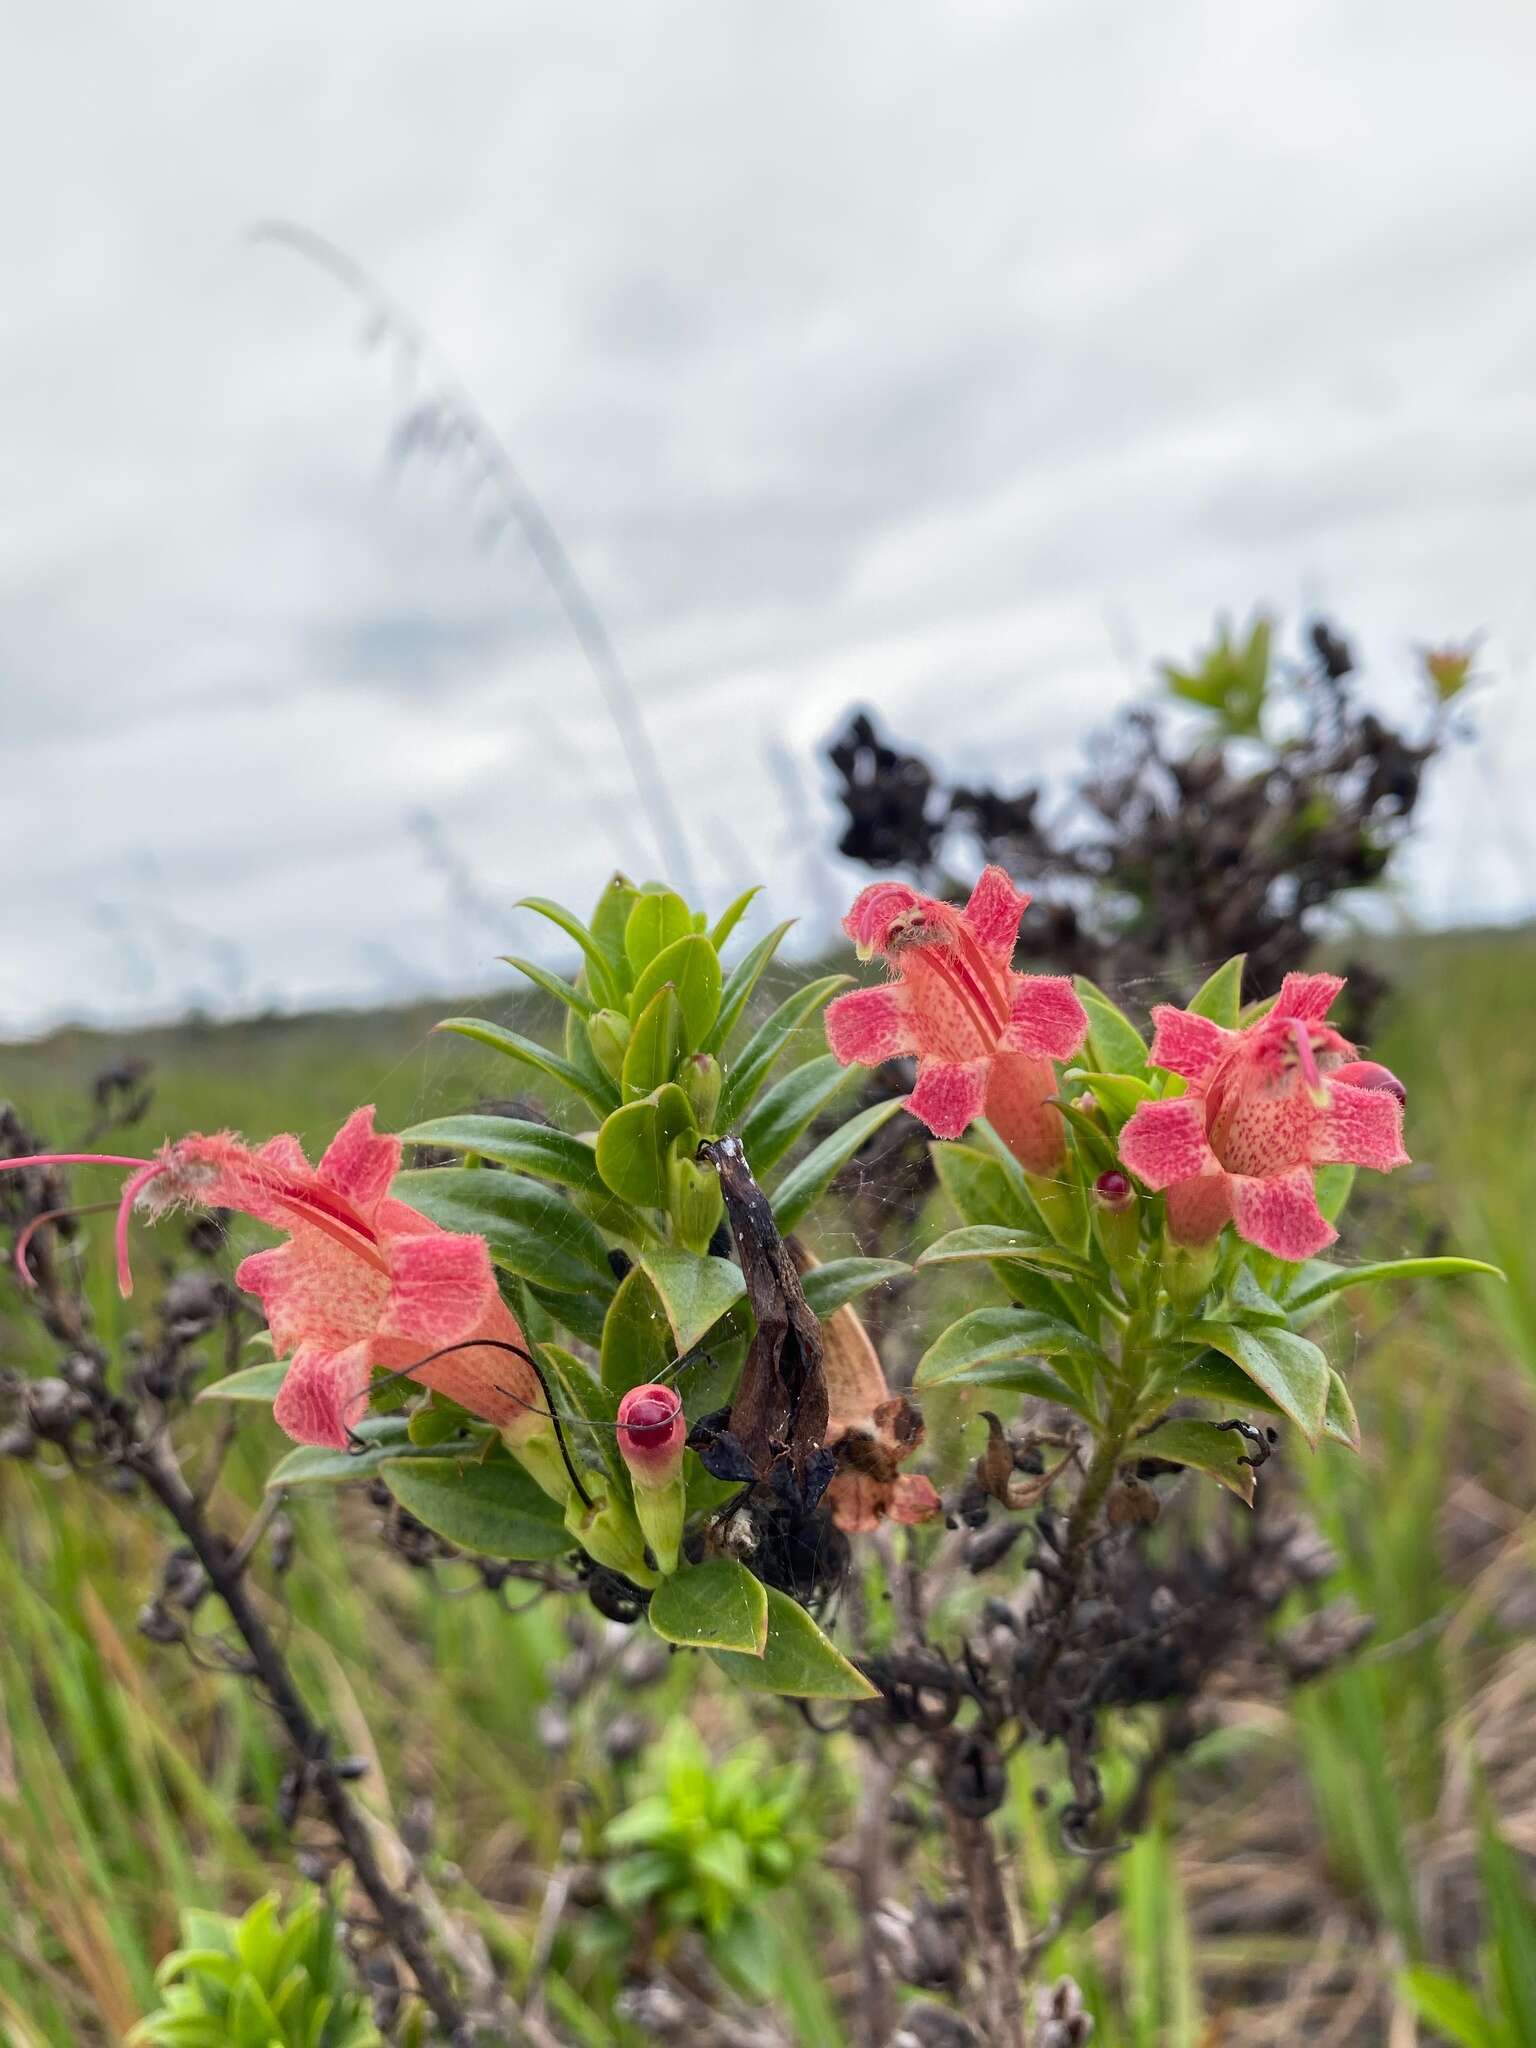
(324, 1394)
(949, 1095)
(913, 1499)
(1186, 1044)
(870, 1025)
(993, 914)
(1308, 996)
(1165, 1142)
(1047, 1020)
(869, 920)
(358, 1162)
(314, 1290)
(441, 1287)
(1361, 1126)
(1279, 1213)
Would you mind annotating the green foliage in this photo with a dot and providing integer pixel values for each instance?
(701, 1848)
(1230, 681)
(263, 1981)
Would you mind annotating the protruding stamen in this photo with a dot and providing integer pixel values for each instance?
(24, 1240)
(132, 1188)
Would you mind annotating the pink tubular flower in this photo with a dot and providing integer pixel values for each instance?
(363, 1282)
(652, 1434)
(1265, 1105)
(984, 1036)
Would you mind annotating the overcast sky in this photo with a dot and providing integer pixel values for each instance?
(962, 358)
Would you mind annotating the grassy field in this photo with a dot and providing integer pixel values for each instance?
(1299, 1869)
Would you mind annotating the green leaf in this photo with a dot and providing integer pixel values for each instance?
(1340, 1421)
(805, 1183)
(748, 1070)
(741, 981)
(657, 918)
(732, 915)
(830, 1287)
(384, 1436)
(588, 1410)
(692, 966)
(1219, 1453)
(1210, 1377)
(1221, 998)
(695, 1292)
(525, 1147)
(1113, 1040)
(604, 983)
(1118, 1095)
(1335, 1184)
(610, 914)
(1450, 2008)
(797, 1659)
(260, 1383)
(713, 1606)
(1340, 1277)
(1290, 1369)
(655, 1043)
(637, 1344)
(552, 985)
(635, 1143)
(991, 1241)
(790, 1106)
(985, 1347)
(530, 1230)
(1251, 1304)
(529, 1053)
(980, 1186)
(493, 1508)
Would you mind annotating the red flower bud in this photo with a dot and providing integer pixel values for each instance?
(1113, 1191)
(652, 1432)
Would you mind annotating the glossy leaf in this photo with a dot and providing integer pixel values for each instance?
(259, 1383)
(657, 918)
(600, 974)
(610, 915)
(1320, 1286)
(531, 1231)
(529, 1053)
(992, 1340)
(717, 1605)
(797, 1660)
(525, 1147)
(805, 1183)
(1211, 1377)
(381, 1437)
(655, 1043)
(1115, 1044)
(635, 1142)
(980, 1186)
(732, 915)
(790, 1107)
(830, 1287)
(492, 1508)
(1340, 1421)
(1219, 1453)
(1289, 1368)
(552, 985)
(692, 967)
(1221, 997)
(637, 1343)
(748, 1070)
(990, 1241)
(695, 1292)
(1117, 1095)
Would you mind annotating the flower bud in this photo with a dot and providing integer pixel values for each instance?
(1113, 1193)
(1117, 1219)
(652, 1433)
(608, 1035)
(1370, 1074)
(700, 1082)
(694, 1201)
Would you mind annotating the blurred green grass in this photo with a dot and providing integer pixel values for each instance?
(1302, 1862)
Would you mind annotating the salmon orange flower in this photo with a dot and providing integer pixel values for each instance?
(1265, 1105)
(984, 1036)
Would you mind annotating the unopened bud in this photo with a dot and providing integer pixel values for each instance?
(700, 1082)
(1113, 1192)
(652, 1432)
(1117, 1219)
(694, 1202)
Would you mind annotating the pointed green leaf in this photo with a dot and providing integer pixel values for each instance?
(741, 981)
(692, 966)
(1115, 1044)
(1221, 998)
(259, 1383)
(695, 1292)
(832, 1286)
(610, 915)
(1217, 1452)
(531, 1054)
(657, 918)
(600, 974)
(713, 1606)
(747, 1071)
(1341, 1422)
(635, 1143)
(1335, 1184)
(797, 1659)
(525, 1147)
(732, 915)
(552, 985)
(805, 1183)
(637, 1344)
(531, 1231)
(492, 1508)
(655, 1044)
(382, 1436)
(1451, 2009)
(992, 1241)
(1290, 1369)
(980, 1186)
(790, 1106)
(997, 1337)
(1322, 1285)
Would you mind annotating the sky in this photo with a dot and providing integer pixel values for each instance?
(960, 359)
